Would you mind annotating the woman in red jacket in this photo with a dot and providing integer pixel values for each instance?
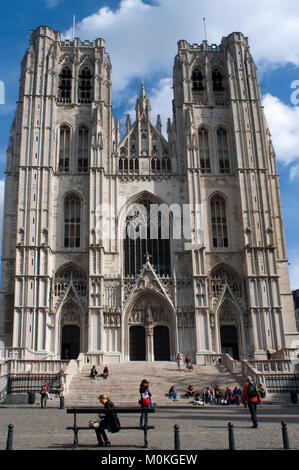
(251, 395)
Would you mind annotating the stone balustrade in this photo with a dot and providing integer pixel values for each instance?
(278, 366)
(25, 366)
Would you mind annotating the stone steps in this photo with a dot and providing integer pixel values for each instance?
(122, 385)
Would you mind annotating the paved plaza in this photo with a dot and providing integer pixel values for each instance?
(200, 428)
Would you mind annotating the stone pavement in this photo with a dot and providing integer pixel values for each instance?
(200, 428)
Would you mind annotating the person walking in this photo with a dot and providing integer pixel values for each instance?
(60, 390)
(107, 421)
(145, 401)
(179, 360)
(44, 394)
(252, 396)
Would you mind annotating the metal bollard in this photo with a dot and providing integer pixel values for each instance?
(177, 444)
(145, 437)
(231, 437)
(285, 437)
(9, 437)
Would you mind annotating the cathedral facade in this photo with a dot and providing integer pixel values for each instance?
(139, 246)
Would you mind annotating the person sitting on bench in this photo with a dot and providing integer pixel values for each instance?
(107, 421)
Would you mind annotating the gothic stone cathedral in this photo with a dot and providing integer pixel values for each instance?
(84, 268)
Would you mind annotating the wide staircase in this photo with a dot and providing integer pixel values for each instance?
(122, 385)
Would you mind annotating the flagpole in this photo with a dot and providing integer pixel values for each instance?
(74, 25)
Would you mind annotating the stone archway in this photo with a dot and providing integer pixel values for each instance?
(229, 330)
(70, 331)
(150, 330)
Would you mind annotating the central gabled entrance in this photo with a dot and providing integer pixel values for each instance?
(149, 330)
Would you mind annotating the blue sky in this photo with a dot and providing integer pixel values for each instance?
(141, 38)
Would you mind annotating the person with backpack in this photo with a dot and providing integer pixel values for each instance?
(145, 401)
(252, 396)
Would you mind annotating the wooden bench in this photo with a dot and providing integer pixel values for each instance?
(75, 428)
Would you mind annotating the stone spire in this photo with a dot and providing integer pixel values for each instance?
(142, 104)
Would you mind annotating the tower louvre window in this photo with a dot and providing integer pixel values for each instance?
(204, 151)
(65, 85)
(197, 79)
(64, 149)
(217, 80)
(83, 149)
(222, 146)
(85, 85)
(219, 222)
(72, 221)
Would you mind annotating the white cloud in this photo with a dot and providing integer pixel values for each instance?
(161, 101)
(294, 268)
(283, 123)
(294, 172)
(142, 39)
(52, 3)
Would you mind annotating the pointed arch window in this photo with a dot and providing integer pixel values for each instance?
(72, 221)
(219, 222)
(204, 151)
(83, 149)
(197, 79)
(65, 85)
(222, 146)
(217, 80)
(85, 85)
(162, 165)
(144, 236)
(64, 148)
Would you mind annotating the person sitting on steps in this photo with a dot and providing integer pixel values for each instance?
(173, 394)
(105, 373)
(190, 391)
(93, 373)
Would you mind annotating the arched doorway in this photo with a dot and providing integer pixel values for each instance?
(150, 330)
(70, 330)
(229, 340)
(70, 342)
(161, 343)
(137, 343)
(229, 325)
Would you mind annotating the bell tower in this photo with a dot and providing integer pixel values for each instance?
(227, 156)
